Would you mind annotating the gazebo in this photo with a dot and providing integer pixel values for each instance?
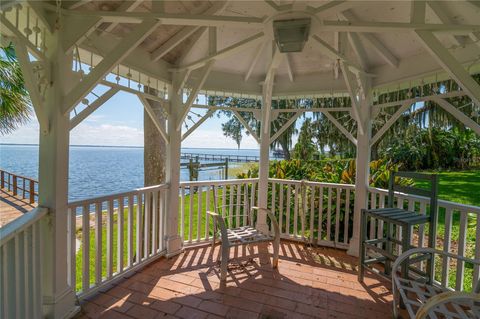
(175, 54)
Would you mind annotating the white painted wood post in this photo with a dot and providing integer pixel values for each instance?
(173, 238)
(362, 169)
(264, 157)
(58, 294)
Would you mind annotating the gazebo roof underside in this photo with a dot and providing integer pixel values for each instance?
(391, 57)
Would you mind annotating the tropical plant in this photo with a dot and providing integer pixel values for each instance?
(15, 105)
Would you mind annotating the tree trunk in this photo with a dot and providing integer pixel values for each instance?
(154, 146)
(286, 151)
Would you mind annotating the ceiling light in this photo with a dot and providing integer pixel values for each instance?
(291, 35)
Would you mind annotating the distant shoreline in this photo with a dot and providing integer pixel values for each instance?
(127, 146)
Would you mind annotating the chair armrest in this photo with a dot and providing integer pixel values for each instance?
(212, 213)
(449, 296)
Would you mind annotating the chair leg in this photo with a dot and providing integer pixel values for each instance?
(224, 261)
(276, 249)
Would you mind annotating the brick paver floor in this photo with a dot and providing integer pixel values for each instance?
(309, 283)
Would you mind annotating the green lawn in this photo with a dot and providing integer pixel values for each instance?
(460, 186)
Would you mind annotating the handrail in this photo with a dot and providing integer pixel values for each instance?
(218, 182)
(21, 223)
(11, 183)
(115, 195)
(310, 183)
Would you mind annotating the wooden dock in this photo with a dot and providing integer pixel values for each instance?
(222, 158)
(18, 195)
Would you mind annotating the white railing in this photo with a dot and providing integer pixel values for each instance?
(196, 198)
(458, 231)
(314, 212)
(21, 263)
(114, 234)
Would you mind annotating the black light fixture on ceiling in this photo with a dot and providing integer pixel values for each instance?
(291, 35)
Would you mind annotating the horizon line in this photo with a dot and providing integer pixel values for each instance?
(133, 146)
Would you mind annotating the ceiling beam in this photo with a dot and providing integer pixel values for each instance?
(193, 95)
(335, 55)
(342, 129)
(92, 107)
(126, 6)
(173, 19)
(185, 32)
(359, 50)
(376, 44)
(277, 7)
(440, 11)
(289, 67)
(239, 46)
(450, 65)
(255, 59)
(459, 115)
(123, 48)
(330, 5)
(388, 27)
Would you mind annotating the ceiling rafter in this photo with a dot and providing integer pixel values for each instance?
(126, 6)
(440, 11)
(123, 48)
(289, 67)
(376, 44)
(278, 7)
(448, 62)
(330, 5)
(185, 32)
(234, 48)
(255, 59)
(359, 50)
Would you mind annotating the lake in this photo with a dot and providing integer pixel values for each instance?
(96, 171)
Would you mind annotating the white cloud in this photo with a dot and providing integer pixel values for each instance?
(106, 134)
(25, 134)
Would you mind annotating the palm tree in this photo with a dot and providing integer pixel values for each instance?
(15, 105)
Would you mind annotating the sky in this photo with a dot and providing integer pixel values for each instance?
(119, 122)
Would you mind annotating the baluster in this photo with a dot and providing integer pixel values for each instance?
(207, 216)
(329, 214)
(272, 207)
(139, 228)
(224, 199)
(446, 246)
(287, 213)
(120, 230)
(182, 212)
(146, 218)
(381, 204)
(245, 203)
(337, 213)
(320, 214)
(130, 231)
(15, 192)
(295, 210)
(190, 216)
(26, 272)
(281, 209)
(72, 241)
(230, 205)
(238, 204)
(462, 243)
(110, 239)
(16, 244)
(347, 216)
(199, 211)
(312, 212)
(155, 209)
(476, 267)
(86, 248)
(98, 243)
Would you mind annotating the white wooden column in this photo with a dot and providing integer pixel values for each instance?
(264, 156)
(173, 238)
(58, 295)
(362, 167)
